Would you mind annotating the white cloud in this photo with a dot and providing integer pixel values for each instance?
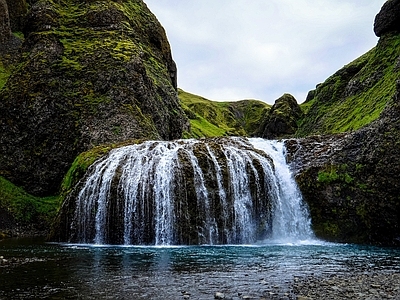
(235, 49)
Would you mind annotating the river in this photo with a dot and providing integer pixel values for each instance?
(33, 269)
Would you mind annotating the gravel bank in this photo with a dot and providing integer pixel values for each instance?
(366, 286)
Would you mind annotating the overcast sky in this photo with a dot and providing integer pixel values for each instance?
(260, 49)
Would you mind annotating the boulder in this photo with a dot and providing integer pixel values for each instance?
(388, 19)
(281, 120)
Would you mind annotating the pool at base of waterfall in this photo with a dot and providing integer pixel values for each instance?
(33, 269)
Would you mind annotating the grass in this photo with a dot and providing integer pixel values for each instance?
(355, 95)
(211, 118)
(24, 207)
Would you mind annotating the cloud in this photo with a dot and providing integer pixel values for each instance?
(236, 49)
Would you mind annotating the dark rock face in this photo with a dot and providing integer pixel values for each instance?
(90, 74)
(351, 181)
(281, 120)
(5, 29)
(388, 19)
(17, 10)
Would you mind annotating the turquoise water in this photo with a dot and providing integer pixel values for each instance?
(38, 270)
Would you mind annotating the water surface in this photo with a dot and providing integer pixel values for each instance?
(38, 270)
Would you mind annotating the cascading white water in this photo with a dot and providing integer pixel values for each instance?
(290, 219)
(223, 191)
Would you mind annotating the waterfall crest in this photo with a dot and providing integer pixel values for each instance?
(185, 192)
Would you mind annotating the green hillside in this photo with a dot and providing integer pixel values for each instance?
(355, 95)
(211, 118)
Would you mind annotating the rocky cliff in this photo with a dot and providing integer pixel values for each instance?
(351, 181)
(88, 73)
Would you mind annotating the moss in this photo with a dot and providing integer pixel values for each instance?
(81, 163)
(84, 160)
(24, 207)
(333, 173)
(19, 35)
(4, 74)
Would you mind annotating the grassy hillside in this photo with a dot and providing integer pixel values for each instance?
(355, 95)
(25, 208)
(211, 118)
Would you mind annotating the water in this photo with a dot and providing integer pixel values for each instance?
(61, 271)
(290, 219)
(214, 191)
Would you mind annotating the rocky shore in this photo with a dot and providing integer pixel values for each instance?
(366, 286)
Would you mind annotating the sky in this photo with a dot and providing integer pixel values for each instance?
(228, 50)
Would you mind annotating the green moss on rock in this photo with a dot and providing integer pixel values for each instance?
(281, 120)
(90, 73)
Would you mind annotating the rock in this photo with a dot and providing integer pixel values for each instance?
(351, 180)
(282, 119)
(5, 29)
(219, 295)
(388, 19)
(87, 81)
(17, 10)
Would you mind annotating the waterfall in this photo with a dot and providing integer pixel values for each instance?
(185, 192)
(290, 219)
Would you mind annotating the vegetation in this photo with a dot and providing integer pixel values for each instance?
(84, 160)
(334, 174)
(355, 95)
(4, 74)
(26, 208)
(211, 118)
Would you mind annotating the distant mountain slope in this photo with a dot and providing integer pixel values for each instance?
(211, 118)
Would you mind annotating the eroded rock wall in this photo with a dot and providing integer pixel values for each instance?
(352, 181)
(89, 74)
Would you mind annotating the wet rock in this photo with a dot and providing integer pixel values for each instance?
(17, 10)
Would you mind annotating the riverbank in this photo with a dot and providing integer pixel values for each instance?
(367, 285)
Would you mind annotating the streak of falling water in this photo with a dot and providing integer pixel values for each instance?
(290, 216)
